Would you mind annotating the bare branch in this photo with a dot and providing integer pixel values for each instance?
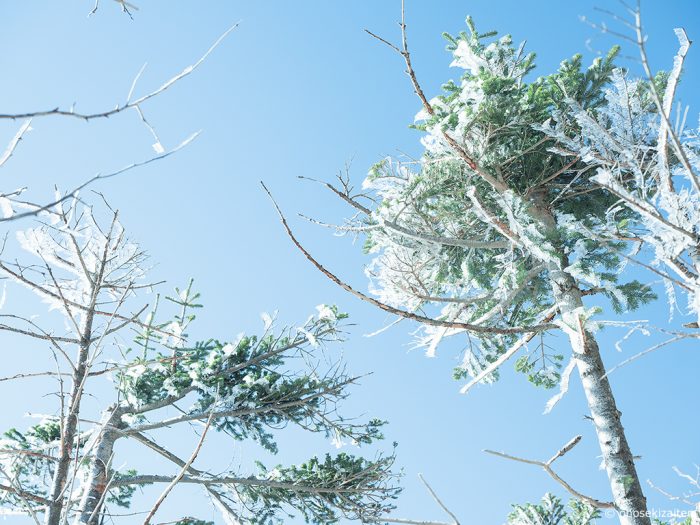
(32, 374)
(182, 473)
(438, 500)
(563, 450)
(650, 350)
(546, 466)
(129, 104)
(670, 496)
(667, 127)
(217, 498)
(38, 208)
(74, 304)
(433, 494)
(414, 522)
(397, 311)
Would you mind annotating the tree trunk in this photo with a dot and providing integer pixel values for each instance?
(93, 497)
(70, 424)
(617, 456)
(69, 430)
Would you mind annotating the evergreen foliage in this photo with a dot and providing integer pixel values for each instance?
(443, 236)
(551, 511)
(248, 388)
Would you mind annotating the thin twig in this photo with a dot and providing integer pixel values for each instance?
(438, 500)
(182, 473)
(546, 466)
(15, 141)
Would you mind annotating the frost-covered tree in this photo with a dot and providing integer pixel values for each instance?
(496, 235)
(650, 161)
(70, 468)
(66, 468)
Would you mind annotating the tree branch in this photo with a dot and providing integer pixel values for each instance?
(231, 480)
(435, 239)
(495, 182)
(397, 311)
(183, 470)
(546, 466)
(14, 142)
(129, 104)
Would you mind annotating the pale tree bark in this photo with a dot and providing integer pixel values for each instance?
(98, 479)
(82, 368)
(628, 497)
(617, 456)
(70, 426)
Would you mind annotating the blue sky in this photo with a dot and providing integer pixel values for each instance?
(300, 89)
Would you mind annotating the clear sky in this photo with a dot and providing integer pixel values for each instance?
(300, 89)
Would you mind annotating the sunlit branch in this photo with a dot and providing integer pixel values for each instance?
(546, 466)
(397, 311)
(129, 104)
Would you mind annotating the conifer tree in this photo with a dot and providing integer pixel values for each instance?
(497, 234)
(69, 467)
(649, 160)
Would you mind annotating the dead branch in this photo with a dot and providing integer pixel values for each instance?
(129, 104)
(494, 181)
(546, 466)
(182, 472)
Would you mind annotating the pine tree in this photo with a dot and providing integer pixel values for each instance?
(66, 467)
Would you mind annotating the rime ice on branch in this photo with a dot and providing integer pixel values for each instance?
(649, 159)
(496, 235)
(67, 467)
